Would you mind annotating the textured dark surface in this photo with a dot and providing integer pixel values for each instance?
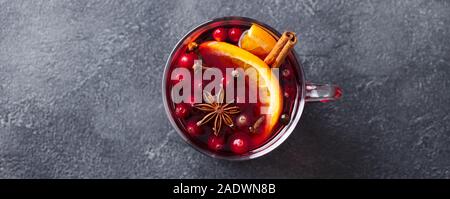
(80, 92)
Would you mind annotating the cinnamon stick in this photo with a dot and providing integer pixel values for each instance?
(281, 49)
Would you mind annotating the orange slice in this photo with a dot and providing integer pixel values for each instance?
(257, 41)
(221, 54)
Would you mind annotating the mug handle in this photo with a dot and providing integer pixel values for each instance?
(322, 92)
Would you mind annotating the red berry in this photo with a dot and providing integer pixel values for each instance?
(220, 34)
(193, 129)
(239, 143)
(242, 121)
(287, 73)
(215, 143)
(181, 111)
(234, 34)
(187, 60)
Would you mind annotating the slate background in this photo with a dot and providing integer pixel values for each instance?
(80, 89)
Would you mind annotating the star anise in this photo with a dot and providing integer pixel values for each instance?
(216, 109)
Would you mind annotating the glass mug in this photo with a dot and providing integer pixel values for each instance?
(229, 139)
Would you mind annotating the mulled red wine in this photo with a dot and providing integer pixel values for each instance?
(232, 88)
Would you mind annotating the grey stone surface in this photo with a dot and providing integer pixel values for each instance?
(80, 89)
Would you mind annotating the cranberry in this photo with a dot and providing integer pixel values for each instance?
(239, 143)
(220, 34)
(234, 34)
(187, 60)
(216, 143)
(193, 129)
(181, 110)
